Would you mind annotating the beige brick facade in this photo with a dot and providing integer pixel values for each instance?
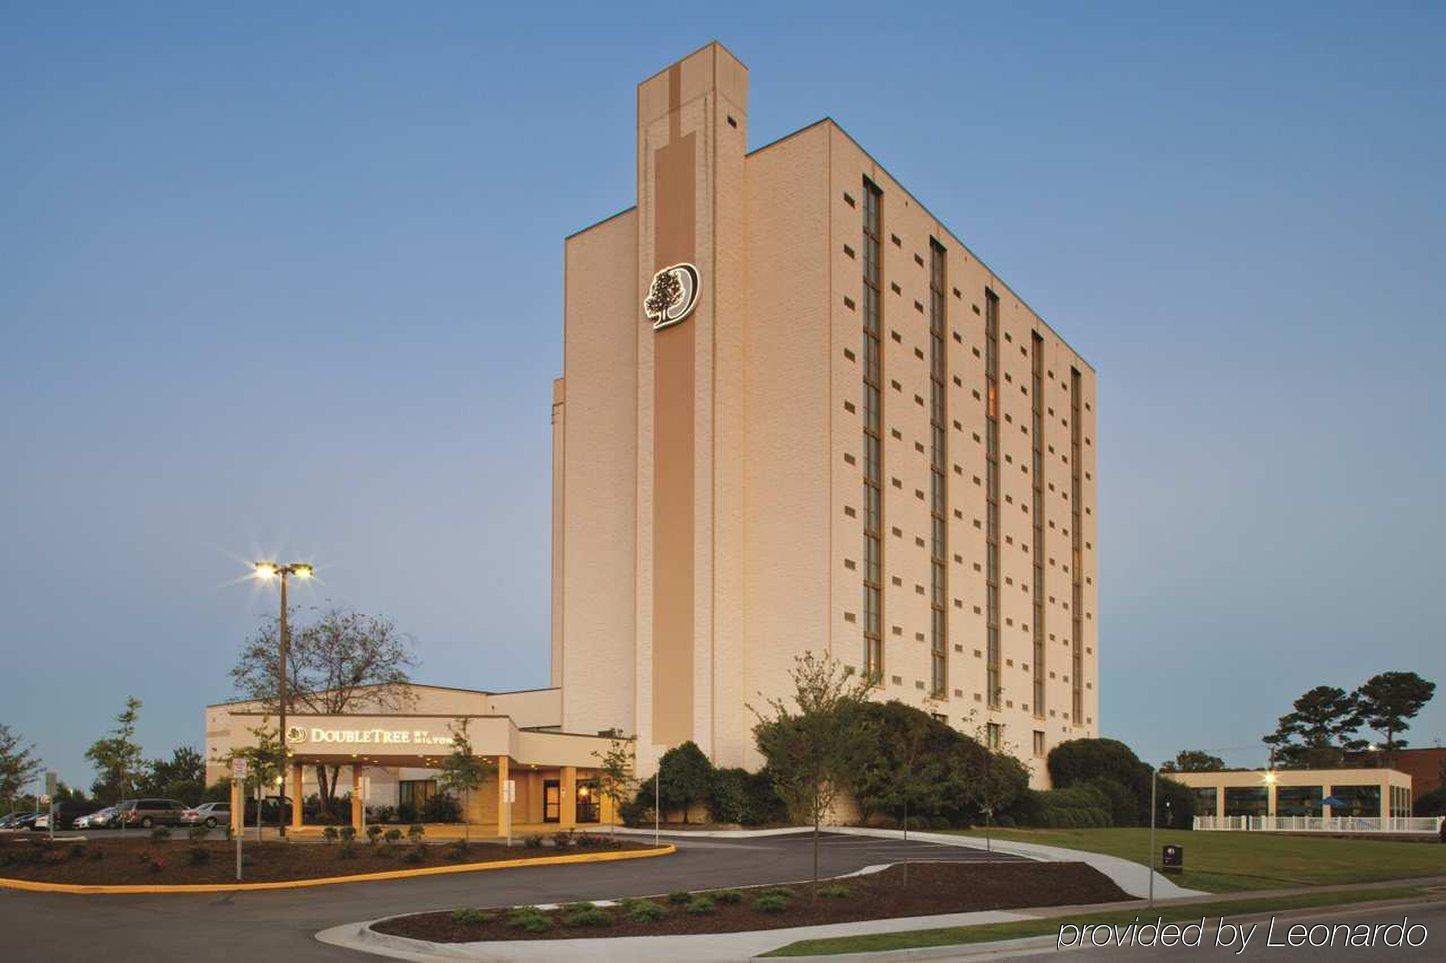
(708, 478)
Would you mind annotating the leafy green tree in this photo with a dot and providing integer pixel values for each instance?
(1194, 760)
(1389, 701)
(907, 766)
(183, 776)
(463, 771)
(1318, 730)
(341, 662)
(117, 758)
(615, 776)
(812, 741)
(18, 764)
(686, 777)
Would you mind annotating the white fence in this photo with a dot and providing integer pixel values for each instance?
(1423, 825)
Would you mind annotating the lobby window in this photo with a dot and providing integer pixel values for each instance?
(1246, 801)
(1036, 351)
(938, 474)
(589, 801)
(872, 424)
(1205, 801)
(1076, 608)
(1359, 800)
(991, 529)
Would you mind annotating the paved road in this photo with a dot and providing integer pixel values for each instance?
(280, 925)
(1430, 915)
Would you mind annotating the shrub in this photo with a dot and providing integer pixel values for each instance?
(374, 834)
(329, 834)
(532, 841)
(646, 911)
(637, 811)
(161, 833)
(592, 916)
(158, 864)
(457, 850)
(729, 896)
(199, 855)
(783, 891)
(835, 891)
(415, 855)
(441, 808)
(471, 917)
(588, 841)
(348, 833)
(393, 835)
(562, 840)
(416, 831)
(197, 833)
(770, 903)
(529, 919)
(701, 905)
(77, 850)
(1124, 808)
(679, 897)
(1432, 803)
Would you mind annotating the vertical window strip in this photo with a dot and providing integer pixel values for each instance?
(873, 433)
(938, 459)
(991, 531)
(1036, 348)
(1076, 677)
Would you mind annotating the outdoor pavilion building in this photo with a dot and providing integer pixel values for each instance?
(796, 414)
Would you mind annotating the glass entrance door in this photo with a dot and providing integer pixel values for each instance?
(551, 800)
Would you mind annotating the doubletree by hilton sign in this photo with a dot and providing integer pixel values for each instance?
(316, 738)
(672, 295)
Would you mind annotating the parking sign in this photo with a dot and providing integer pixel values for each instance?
(239, 768)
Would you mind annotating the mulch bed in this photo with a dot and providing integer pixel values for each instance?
(933, 888)
(179, 860)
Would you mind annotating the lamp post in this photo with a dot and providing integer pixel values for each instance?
(266, 571)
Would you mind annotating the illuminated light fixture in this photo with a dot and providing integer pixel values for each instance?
(1270, 778)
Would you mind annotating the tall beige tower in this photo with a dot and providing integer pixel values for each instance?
(765, 443)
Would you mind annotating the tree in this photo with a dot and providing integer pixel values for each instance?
(1319, 729)
(18, 764)
(462, 771)
(615, 775)
(1389, 700)
(664, 293)
(342, 662)
(908, 765)
(1194, 760)
(117, 757)
(686, 778)
(812, 745)
(261, 764)
(182, 777)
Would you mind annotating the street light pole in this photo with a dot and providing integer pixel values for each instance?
(267, 571)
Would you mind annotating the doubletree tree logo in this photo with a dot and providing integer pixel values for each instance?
(295, 734)
(672, 295)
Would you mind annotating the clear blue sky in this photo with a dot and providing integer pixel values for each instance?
(285, 280)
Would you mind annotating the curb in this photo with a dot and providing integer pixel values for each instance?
(33, 886)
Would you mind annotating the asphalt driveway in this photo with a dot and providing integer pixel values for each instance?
(279, 925)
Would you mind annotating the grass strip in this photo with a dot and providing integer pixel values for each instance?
(990, 932)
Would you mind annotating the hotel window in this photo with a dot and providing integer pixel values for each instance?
(1298, 800)
(1038, 742)
(873, 443)
(1036, 350)
(938, 474)
(993, 735)
(1076, 608)
(1205, 801)
(991, 531)
(1246, 801)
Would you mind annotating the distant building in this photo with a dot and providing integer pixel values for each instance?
(1425, 766)
(1366, 793)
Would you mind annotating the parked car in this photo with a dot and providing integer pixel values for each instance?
(9, 820)
(146, 813)
(208, 814)
(99, 819)
(22, 821)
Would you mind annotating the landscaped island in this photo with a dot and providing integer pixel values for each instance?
(161, 861)
(933, 888)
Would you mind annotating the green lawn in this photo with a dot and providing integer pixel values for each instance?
(1221, 862)
(989, 932)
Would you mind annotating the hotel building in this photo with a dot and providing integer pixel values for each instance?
(832, 428)
(796, 413)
